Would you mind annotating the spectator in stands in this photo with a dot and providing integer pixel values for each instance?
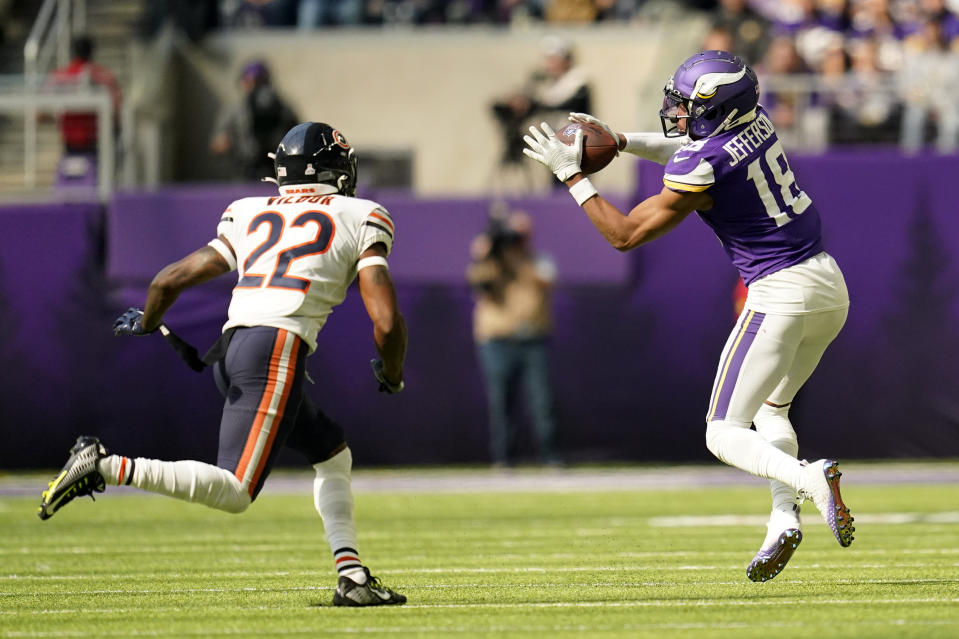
(781, 60)
(748, 28)
(512, 322)
(940, 10)
(928, 84)
(833, 14)
(79, 129)
(866, 111)
(553, 90)
(251, 14)
(571, 11)
(193, 18)
(718, 38)
(324, 13)
(815, 32)
(873, 19)
(254, 126)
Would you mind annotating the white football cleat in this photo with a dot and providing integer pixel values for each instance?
(820, 484)
(783, 536)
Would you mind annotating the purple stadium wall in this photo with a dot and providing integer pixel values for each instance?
(637, 336)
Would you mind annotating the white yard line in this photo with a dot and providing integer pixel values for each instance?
(702, 603)
(537, 479)
(460, 586)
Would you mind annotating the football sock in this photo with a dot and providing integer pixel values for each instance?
(772, 422)
(116, 469)
(333, 498)
(188, 480)
(735, 444)
(348, 564)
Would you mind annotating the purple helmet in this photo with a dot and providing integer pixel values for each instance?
(715, 88)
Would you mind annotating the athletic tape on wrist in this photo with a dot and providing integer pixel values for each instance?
(582, 191)
(376, 260)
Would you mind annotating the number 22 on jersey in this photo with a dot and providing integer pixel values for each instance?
(791, 201)
(280, 277)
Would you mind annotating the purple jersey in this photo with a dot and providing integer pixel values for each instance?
(763, 219)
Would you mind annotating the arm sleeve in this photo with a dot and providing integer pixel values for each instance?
(377, 227)
(653, 146)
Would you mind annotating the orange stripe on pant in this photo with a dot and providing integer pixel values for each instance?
(281, 368)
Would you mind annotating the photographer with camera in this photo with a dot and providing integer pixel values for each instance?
(512, 323)
(556, 87)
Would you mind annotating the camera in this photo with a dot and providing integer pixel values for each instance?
(501, 236)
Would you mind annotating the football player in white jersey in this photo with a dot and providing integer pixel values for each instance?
(295, 254)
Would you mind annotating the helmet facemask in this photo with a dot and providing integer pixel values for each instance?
(676, 107)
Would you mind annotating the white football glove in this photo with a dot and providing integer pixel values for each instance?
(586, 118)
(561, 159)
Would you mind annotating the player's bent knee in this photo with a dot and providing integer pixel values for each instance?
(339, 466)
(717, 435)
(233, 497)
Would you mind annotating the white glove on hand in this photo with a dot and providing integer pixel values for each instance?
(561, 159)
(586, 118)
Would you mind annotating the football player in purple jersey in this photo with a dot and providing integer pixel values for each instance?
(724, 161)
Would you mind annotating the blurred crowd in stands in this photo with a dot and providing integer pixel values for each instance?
(851, 71)
(310, 14)
(832, 71)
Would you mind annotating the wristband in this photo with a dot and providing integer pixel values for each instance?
(582, 191)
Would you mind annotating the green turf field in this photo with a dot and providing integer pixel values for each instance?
(620, 563)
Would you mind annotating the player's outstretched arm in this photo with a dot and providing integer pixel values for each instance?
(196, 268)
(652, 218)
(650, 146)
(389, 326)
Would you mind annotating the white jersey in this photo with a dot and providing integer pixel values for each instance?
(296, 254)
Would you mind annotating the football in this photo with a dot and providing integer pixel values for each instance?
(599, 147)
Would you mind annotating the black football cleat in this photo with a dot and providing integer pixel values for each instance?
(372, 593)
(78, 478)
